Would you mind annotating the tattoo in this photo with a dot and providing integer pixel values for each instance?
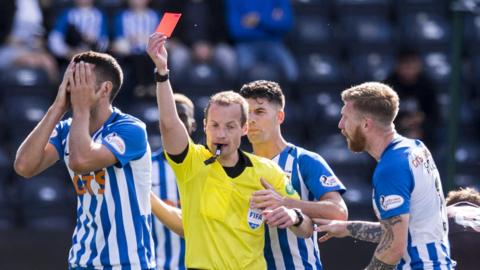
(388, 236)
(366, 231)
(376, 264)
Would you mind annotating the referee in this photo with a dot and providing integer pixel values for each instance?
(216, 181)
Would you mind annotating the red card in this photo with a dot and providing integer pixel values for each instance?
(168, 23)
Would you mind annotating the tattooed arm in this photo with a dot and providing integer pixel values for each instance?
(393, 243)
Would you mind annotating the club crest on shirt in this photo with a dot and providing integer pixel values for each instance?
(328, 181)
(116, 142)
(254, 218)
(289, 189)
(390, 202)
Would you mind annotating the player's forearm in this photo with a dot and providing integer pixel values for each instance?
(377, 264)
(170, 216)
(326, 209)
(393, 242)
(365, 231)
(31, 152)
(80, 142)
(174, 134)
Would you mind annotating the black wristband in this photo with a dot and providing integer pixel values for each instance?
(299, 216)
(161, 78)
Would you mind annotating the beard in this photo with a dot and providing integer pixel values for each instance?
(357, 141)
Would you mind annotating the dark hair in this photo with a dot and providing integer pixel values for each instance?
(407, 52)
(268, 90)
(106, 69)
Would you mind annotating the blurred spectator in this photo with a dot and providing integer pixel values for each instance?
(201, 31)
(80, 28)
(463, 208)
(418, 114)
(257, 28)
(132, 28)
(22, 41)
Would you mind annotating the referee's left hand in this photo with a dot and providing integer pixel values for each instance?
(267, 198)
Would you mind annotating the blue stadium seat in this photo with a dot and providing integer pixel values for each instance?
(378, 8)
(472, 33)
(312, 7)
(371, 66)
(25, 81)
(323, 111)
(201, 79)
(407, 6)
(46, 203)
(427, 31)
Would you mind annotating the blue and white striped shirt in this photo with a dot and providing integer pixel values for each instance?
(113, 228)
(134, 28)
(169, 247)
(311, 177)
(89, 21)
(406, 181)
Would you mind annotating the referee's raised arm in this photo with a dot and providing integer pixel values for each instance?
(174, 134)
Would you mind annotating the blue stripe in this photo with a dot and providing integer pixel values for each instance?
(302, 248)
(181, 259)
(316, 252)
(138, 220)
(146, 224)
(400, 264)
(93, 244)
(163, 180)
(432, 254)
(267, 250)
(87, 232)
(447, 256)
(75, 236)
(106, 227)
(285, 248)
(121, 237)
(416, 262)
(167, 248)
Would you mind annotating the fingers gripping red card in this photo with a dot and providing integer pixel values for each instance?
(168, 23)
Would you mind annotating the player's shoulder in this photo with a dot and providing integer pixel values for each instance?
(262, 163)
(125, 119)
(307, 158)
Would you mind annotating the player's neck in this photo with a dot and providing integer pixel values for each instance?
(270, 148)
(230, 160)
(379, 142)
(99, 116)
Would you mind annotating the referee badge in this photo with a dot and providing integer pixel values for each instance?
(289, 189)
(254, 218)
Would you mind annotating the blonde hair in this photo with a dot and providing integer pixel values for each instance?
(182, 99)
(226, 98)
(378, 100)
(463, 195)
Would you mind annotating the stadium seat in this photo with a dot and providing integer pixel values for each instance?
(25, 81)
(407, 6)
(46, 202)
(7, 217)
(201, 79)
(368, 33)
(428, 31)
(320, 70)
(312, 7)
(314, 32)
(378, 8)
(148, 113)
(371, 66)
(437, 66)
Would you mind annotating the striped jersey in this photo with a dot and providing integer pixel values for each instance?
(169, 247)
(311, 177)
(406, 181)
(113, 227)
(89, 22)
(135, 27)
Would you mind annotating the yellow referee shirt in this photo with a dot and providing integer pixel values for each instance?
(221, 230)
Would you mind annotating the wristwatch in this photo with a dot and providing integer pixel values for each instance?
(160, 78)
(299, 216)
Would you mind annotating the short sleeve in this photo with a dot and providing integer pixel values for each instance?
(58, 136)
(127, 141)
(318, 176)
(392, 188)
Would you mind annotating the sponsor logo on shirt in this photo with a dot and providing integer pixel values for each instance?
(328, 181)
(390, 202)
(254, 218)
(116, 142)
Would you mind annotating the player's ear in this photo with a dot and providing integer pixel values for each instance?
(204, 125)
(245, 129)
(280, 116)
(106, 89)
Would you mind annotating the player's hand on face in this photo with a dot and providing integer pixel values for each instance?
(267, 198)
(62, 101)
(83, 93)
(157, 51)
(281, 217)
(330, 228)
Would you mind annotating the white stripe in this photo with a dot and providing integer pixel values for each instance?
(175, 251)
(87, 202)
(100, 238)
(171, 184)
(128, 225)
(295, 253)
(310, 244)
(424, 256)
(275, 245)
(303, 187)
